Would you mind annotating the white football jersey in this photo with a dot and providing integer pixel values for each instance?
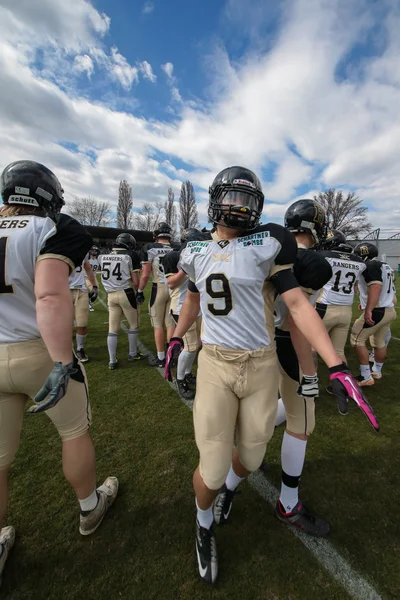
(77, 278)
(116, 269)
(24, 240)
(229, 275)
(378, 272)
(346, 273)
(95, 264)
(152, 253)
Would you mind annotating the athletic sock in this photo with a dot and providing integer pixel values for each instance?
(280, 413)
(80, 341)
(185, 362)
(365, 371)
(133, 340)
(88, 504)
(388, 337)
(233, 480)
(293, 453)
(205, 517)
(160, 355)
(377, 367)
(112, 341)
(189, 365)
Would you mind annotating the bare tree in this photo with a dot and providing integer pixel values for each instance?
(188, 207)
(125, 205)
(345, 212)
(89, 211)
(170, 211)
(147, 217)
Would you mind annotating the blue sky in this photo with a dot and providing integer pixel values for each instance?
(304, 92)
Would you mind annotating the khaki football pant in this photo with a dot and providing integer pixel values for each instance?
(24, 367)
(122, 302)
(236, 390)
(360, 332)
(81, 306)
(192, 338)
(337, 321)
(159, 306)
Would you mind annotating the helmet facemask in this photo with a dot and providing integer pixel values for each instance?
(235, 206)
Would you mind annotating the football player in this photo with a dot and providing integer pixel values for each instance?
(159, 304)
(237, 383)
(377, 300)
(119, 274)
(93, 259)
(81, 298)
(177, 281)
(38, 249)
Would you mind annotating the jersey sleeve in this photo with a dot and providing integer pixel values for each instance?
(70, 243)
(187, 263)
(145, 253)
(373, 272)
(170, 263)
(311, 269)
(287, 254)
(136, 263)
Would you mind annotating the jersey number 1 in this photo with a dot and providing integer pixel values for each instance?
(4, 288)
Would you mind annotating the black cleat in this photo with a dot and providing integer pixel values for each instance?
(137, 356)
(301, 518)
(223, 505)
(190, 379)
(113, 365)
(156, 362)
(329, 390)
(206, 550)
(184, 390)
(82, 356)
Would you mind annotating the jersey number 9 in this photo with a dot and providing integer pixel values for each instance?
(218, 288)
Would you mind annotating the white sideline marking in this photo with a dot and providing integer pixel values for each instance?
(322, 550)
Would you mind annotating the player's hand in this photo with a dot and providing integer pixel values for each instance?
(308, 387)
(175, 347)
(94, 292)
(344, 387)
(368, 317)
(54, 387)
(359, 307)
(139, 297)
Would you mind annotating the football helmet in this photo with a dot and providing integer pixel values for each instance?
(236, 199)
(307, 216)
(126, 240)
(163, 230)
(366, 251)
(29, 183)
(191, 234)
(334, 238)
(94, 251)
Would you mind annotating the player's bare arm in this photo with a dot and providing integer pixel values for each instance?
(54, 308)
(302, 347)
(374, 292)
(144, 278)
(135, 279)
(175, 280)
(89, 272)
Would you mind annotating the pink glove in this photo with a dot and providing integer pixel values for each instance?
(175, 347)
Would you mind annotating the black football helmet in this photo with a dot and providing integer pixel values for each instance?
(28, 183)
(94, 251)
(163, 230)
(307, 216)
(126, 240)
(191, 234)
(334, 238)
(236, 199)
(366, 251)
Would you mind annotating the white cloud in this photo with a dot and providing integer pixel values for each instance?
(121, 70)
(147, 71)
(168, 69)
(148, 8)
(83, 64)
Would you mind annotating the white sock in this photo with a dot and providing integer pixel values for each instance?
(160, 355)
(133, 340)
(232, 480)
(80, 341)
(365, 371)
(205, 517)
(377, 367)
(112, 341)
(293, 453)
(90, 502)
(388, 337)
(280, 413)
(185, 363)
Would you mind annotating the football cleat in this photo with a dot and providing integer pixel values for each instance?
(329, 390)
(362, 382)
(113, 365)
(184, 390)
(91, 307)
(301, 518)
(156, 362)
(7, 539)
(107, 493)
(223, 505)
(190, 379)
(82, 356)
(376, 375)
(206, 550)
(137, 356)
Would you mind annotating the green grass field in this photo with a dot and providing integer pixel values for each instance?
(145, 547)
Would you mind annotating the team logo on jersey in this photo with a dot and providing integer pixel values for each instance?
(223, 243)
(221, 256)
(197, 247)
(255, 239)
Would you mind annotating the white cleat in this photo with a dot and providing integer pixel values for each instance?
(107, 494)
(7, 539)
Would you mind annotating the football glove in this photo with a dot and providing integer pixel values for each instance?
(175, 347)
(139, 297)
(344, 387)
(54, 388)
(308, 387)
(94, 292)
